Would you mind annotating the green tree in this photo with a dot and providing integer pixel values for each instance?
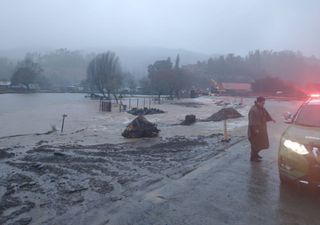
(145, 85)
(160, 74)
(27, 72)
(268, 85)
(6, 68)
(130, 82)
(179, 79)
(104, 74)
(64, 67)
(166, 79)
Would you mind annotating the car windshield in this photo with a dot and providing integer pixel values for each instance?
(309, 116)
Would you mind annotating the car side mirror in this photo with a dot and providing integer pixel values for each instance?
(288, 118)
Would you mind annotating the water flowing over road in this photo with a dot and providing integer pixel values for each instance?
(228, 189)
(90, 174)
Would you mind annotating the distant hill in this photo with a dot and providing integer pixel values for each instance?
(133, 59)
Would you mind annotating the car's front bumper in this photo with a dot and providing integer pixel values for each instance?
(298, 168)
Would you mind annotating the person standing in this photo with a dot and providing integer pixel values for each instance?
(257, 128)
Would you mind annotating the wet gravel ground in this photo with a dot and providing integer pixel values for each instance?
(50, 178)
(44, 182)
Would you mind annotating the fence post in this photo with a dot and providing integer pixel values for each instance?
(137, 103)
(62, 126)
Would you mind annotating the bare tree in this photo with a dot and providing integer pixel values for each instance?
(104, 74)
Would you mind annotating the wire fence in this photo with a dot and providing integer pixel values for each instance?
(128, 103)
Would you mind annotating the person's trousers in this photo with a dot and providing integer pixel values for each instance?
(254, 151)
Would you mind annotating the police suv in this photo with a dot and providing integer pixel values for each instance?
(299, 151)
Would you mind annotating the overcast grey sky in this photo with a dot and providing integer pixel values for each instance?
(207, 26)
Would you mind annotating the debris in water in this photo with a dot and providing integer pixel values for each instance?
(145, 111)
(189, 119)
(58, 154)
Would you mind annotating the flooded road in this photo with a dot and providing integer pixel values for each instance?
(228, 189)
(178, 178)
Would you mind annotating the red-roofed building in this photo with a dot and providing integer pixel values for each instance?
(231, 88)
(237, 87)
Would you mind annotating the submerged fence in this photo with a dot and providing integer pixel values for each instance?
(105, 106)
(128, 103)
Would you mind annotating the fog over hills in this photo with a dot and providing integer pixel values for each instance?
(134, 60)
(142, 32)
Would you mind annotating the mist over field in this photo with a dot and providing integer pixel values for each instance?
(63, 36)
(202, 26)
(138, 112)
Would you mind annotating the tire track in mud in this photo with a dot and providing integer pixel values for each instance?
(66, 179)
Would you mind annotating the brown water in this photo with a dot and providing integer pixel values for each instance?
(37, 113)
(33, 113)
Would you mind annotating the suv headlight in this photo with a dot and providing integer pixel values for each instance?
(295, 146)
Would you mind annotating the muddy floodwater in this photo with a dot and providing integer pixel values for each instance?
(50, 177)
(32, 113)
(38, 113)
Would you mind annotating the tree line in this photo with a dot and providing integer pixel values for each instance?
(59, 68)
(103, 72)
(286, 65)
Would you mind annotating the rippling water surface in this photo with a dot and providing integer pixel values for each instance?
(32, 113)
(37, 113)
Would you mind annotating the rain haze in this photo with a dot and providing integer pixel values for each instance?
(204, 26)
(153, 112)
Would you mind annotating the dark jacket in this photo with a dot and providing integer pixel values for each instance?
(257, 128)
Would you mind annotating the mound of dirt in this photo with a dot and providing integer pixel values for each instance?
(140, 127)
(189, 119)
(144, 111)
(4, 154)
(223, 114)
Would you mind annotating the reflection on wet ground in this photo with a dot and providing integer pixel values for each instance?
(286, 203)
(226, 190)
(298, 205)
(232, 190)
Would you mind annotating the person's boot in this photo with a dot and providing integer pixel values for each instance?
(254, 158)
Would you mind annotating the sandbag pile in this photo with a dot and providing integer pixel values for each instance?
(140, 127)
